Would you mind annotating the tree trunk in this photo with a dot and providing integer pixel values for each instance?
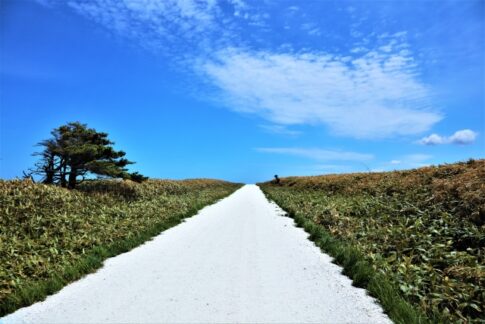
(49, 171)
(63, 173)
(72, 179)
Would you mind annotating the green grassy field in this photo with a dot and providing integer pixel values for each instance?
(415, 239)
(50, 236)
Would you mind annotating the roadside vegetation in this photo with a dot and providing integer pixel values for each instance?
(415, 239)
(50, 236)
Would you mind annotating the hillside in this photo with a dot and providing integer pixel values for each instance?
(416, 234)
(50, 236)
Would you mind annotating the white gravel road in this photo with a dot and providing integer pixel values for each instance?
(238, 261)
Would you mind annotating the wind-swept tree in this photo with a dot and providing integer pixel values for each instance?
(76, 151)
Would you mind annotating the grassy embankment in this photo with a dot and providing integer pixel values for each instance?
(50, 236)
(414, 239)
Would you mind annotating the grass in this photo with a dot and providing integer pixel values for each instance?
(361, 272)
(414, 239)
(50, 236)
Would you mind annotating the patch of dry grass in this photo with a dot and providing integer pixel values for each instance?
(424, 229)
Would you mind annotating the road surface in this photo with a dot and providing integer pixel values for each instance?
(238, 261)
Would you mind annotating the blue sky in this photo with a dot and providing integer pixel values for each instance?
(242, 90)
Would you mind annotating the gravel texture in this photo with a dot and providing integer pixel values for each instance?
(238, 261)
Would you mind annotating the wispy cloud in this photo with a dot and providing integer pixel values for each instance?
(416, 158)
(311, 28)
(332, 167)
(318, 154)
(335, 168)
(461, 137)
(279, 129)
(163, 26)
(373, 95)
(408, 161)
(361, 93)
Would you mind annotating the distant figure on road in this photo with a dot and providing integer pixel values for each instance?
(276, 179)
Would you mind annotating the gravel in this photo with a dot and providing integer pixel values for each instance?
(238, 261)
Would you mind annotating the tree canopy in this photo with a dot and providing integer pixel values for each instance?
(75, 151)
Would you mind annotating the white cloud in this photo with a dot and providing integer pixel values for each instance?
(238, 3)
(408, 161)
(359, 50)
(416, 158)
(433, 139)
(179, 28)
(155, 24)
(314, 32)
(400, 34)
(279, 129)
(461, 137)
(334, 167)
(374, 95)
(311, 29)
(318, 154)
(362, 94)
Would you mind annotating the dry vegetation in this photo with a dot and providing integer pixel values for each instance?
(424, 229)
(50, 235)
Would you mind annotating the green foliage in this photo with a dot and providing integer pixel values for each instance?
(135, 176)
(361, 272)
(77, 151)
(50, 236)
(423, 230)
